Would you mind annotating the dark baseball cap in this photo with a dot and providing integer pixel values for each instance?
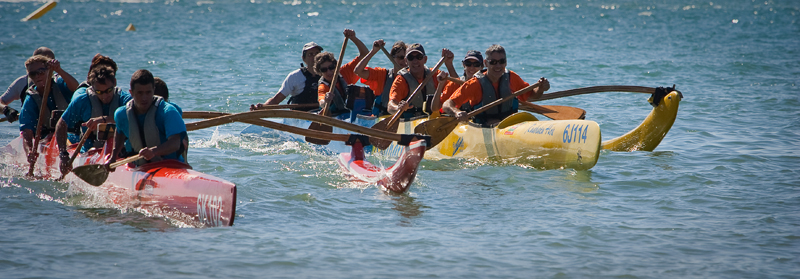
(474, 54)
(415, 47)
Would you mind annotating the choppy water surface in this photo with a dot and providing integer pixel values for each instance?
(718, 198)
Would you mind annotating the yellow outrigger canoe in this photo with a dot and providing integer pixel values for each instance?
(552, 144)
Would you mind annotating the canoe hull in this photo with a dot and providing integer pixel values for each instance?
(542, 144)
(395, 179)
(167, 188)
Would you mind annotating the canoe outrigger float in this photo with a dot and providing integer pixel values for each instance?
(167, 188)
(550, 144)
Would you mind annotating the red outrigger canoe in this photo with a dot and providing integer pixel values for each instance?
(395, 179)
(167, 188)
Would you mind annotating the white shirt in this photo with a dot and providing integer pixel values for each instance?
(14, 90)
(293, 84)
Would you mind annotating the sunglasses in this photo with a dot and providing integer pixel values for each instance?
(331, 68)
(413, 57)
(103, 92)
(38, 72)
(472, 64)
(398, 57)
(501, 61)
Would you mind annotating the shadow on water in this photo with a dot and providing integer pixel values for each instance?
(408, 208)
(141, 222)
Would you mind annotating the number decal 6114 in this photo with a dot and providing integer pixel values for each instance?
(575, 133)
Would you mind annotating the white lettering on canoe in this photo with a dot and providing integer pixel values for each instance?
(209, 209)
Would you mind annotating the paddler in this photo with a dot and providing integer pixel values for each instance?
(407, 80)
(325, 64)
(161, 90)
(495, 83)
(379, 79)
(472, 63)
(61, 89)
(300, 84)
(148, 125)
(87, 111)
(17, 90)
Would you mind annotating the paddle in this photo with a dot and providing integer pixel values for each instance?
(75, 153)
(287, 106)
(42, 115)
(3, 119)
(325, 112)
(440, 127)
(597, 89)
(97, 174)
(552, 112)
(390, 124)
(253, 117)
(394, 63)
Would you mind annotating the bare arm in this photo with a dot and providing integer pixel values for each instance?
(71, 82)
(61, 135)
(362, 49)
(448, 62)
(170, 146)
(436, 103)
(361, 67)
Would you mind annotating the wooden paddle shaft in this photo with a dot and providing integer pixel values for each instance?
(220, 118)
(397, 114)
(597, 89)
(388, 55)
(335, 76)
(289, 106)
(42, 115)
(125, 161)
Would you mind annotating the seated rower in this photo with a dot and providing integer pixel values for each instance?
(97, 60)
(495, 84)
(300, 84)
(88, 110)
(18, 89)
(379, 79)
(472, 63)
(61, 89)
(148, 125)
(325, 64)
(408, 79)
(162, 91)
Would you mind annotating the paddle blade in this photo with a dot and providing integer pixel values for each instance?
(438, 129)
(561, 112)
(383, 125)
(95, 175)
(319, 127)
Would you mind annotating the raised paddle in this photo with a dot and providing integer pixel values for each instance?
(76, 152)
(96, 174)
(325, 112)
(394, 63)
(391, 124)
(42, 115)
(440, 127)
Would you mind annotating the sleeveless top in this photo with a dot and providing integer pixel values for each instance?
(489, 95)
(58, 98)
(419, 100)
(309, 94)
(148, 136)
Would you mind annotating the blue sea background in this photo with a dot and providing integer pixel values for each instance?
(719, 198)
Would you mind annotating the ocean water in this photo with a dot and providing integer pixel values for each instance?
(719, 198)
